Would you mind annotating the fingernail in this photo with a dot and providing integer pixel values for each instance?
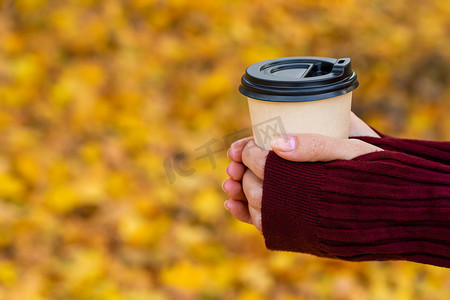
(284, 143)
(228, 153)
(228, 173)
(223, 187)
(225, 204)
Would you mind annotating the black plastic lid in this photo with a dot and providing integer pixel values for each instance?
(298, 79)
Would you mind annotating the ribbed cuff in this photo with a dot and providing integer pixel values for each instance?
(378, 206)
(290, 204)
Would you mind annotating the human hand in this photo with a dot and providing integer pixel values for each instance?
(246, 169)
(359, 128)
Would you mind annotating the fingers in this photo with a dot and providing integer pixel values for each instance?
(239, 210)
(245, 151)
(252, 186)
(316, 147)
(237, 205)
(234, 189)
(235, 170)
(235, 151)
(245, 202)
(254, 158)
(255, 216)
(359, 128)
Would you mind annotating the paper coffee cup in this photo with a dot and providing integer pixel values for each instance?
(295, 95)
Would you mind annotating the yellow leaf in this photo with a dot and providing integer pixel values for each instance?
(139, 231)
(27, 166)
(8, 273)
(62, 199)
(208, 204)
(11, 188)
(185, 275)
(250, 295)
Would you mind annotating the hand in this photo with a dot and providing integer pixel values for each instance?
(246, 169)
(359, 128)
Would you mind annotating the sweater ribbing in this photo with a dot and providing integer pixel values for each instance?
(392, 204)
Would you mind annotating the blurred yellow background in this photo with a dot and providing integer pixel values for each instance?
(107, 109)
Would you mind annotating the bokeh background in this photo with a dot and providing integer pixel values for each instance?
(108, 109)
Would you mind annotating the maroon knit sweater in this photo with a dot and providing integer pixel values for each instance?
(387, 205)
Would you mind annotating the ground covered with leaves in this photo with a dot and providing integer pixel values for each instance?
(108, 110)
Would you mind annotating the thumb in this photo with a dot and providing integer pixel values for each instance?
(316, 147)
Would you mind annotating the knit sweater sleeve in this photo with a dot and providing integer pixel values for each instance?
(429, 150)
(385, 205)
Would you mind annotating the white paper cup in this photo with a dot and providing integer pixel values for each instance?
(329, 117)
(294, 95)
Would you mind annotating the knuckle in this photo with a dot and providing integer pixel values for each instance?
(256, 218)
(252, 197)
(246, 153)
(245, 179)
(254, 157)
(251, 191)
(260, 164)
